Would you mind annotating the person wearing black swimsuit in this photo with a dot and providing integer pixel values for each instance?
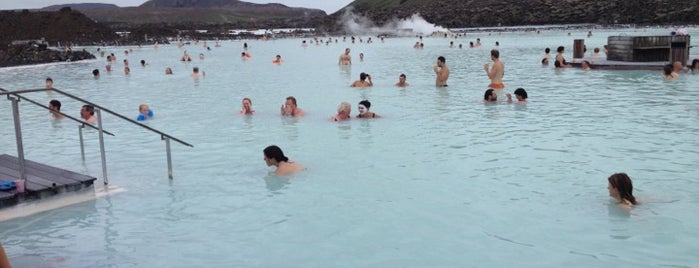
(364, 112)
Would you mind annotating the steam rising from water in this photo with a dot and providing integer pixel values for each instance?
(356, 24)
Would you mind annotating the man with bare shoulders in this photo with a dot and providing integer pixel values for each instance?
(364, 81)
(496, 72)
(274, 156)
(345, 59)
(290, 109)
(442, 72)
(401, 81)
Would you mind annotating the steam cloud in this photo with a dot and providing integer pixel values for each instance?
(360, 25)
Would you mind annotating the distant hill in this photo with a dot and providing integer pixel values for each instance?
(477, 13)
(210, 4)
(184, 12)
(83, 6)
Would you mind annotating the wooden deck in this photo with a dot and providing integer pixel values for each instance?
(42, 181)
(603, 64)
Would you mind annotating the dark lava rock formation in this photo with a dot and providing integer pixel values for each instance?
(33, 53)
(65, 26)
(485, 13)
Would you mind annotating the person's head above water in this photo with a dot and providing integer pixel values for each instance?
(363, 106)
(494, 54)
(274, 155)
(560, 49)
(667, 69)
(621, 188)
(521, 94)
(363, 76)
(490, 95)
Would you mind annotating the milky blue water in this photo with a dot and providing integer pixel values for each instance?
(442, 180)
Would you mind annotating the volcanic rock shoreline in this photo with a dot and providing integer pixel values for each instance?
(34, 53)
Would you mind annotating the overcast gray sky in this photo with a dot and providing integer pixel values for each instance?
(330, 6)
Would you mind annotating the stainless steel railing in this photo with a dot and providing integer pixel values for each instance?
(15, 97)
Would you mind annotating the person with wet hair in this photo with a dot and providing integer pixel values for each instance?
(49, 83)
(442, 72)
(695, 66)
(560, 60)
(364, 112)
(520, 94)
(274, 156)
(247, 107)
(364, 81)
(290, 108)
(87, 112)
(401, 81)
(585, 65)
(55, 108)
(621, 189)
(490, 96)
(496, 72)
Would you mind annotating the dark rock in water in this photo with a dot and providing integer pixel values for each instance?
(34, 53)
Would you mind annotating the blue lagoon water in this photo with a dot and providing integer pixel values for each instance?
(442, 180)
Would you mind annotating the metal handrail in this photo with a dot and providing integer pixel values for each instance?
(163, 136)
(17, 92)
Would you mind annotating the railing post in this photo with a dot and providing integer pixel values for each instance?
(82, 143)
(102, 153)
(18, 135)
(169, 157)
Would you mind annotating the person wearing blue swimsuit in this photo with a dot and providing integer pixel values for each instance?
(144, 113)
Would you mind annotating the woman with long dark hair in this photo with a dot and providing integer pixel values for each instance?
(621, 189)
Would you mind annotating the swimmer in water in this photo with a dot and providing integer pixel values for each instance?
(364, 81)
(585, 65)
(274, 156)
(343, 112)
(87, 112)
(364, 112)
(490, 96)
(547, 54)
(401, 81)
(496, 72)
(247, 107)
(621, 189)
(55, 108)
(195, 73)
(168, 70)
(560, 60)
(695, 66)
(345, 59)
(442, 72)
(520, 94)
(277, 59)
(291, 109)
(668, 72)
(144, 112)
(48, 83)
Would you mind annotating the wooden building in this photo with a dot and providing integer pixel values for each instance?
(648, 48)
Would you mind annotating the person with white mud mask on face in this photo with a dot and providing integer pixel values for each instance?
(364, 112)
